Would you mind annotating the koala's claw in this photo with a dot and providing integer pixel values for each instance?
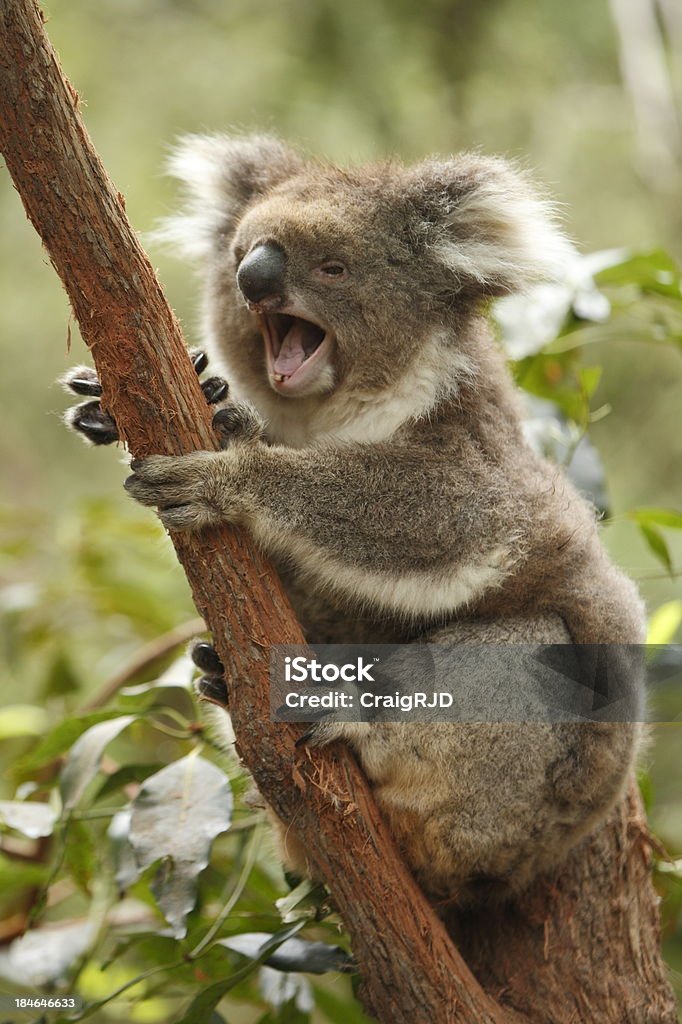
(199, 360)
(97, 426)
(305, 737)
(205, 657)
(321, 733)
(82, 380)
(90, 420)
(215, 390)
(213, 689)
(212, 686)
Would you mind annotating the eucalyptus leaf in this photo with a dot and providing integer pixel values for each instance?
(203, 1005)
(653, 271)
(659, 517)
(60, 739)
(129, 773)
(176, 815)
(45, 955)
(16, 875)
(126, 868)
(31, 819)
(657, 544)
(302, 902)
(22, 720)
(80, 855)
(84, 759)
(294, 955)
(280, 989)
(178, 675)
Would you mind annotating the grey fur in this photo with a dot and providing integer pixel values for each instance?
(396, 492)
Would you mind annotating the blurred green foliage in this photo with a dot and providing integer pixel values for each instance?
(86, 580)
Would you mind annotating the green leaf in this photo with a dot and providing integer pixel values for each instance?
(84, 759)
(130, 773)
(653, 272)
(60, 739)
(659, 516)
(16, 875)
(202, 1006)
(80, 854)
(176, 815)
(298, 955)
(302, 902)
(22, 720)
(31, 819)
(664, 623)
(657, 544)
(339, 1008)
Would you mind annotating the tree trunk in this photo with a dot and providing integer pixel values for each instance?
(538, 958)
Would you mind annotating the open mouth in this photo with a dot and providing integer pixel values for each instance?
(297, 353)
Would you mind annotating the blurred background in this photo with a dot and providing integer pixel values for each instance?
(587, 94)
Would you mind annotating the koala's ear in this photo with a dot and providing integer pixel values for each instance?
(490, 226)
(221, 174)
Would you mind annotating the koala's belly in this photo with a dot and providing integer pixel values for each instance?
(326, 620)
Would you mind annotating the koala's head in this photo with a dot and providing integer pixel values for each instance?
(321, 279)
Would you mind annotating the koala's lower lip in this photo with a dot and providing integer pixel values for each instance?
(298, 353)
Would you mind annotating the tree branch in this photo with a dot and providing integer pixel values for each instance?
(411, 971)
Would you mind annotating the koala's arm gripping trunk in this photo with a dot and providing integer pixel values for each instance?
(411, 971)
(584, 949)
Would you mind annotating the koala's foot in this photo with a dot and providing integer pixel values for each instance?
(212, 685)
(95, 425)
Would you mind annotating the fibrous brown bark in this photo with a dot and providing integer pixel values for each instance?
(533, 960)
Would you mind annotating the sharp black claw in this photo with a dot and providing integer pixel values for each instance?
(199, 360)
(305, 737)
(213, 689)
(84, 386)
(96, 424)
(205, 657)
(215, 389)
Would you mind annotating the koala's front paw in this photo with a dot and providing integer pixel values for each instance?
(94, 424)
(189, 492)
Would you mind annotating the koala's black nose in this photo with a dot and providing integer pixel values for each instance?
(261, 274)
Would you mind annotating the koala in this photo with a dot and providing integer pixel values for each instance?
(373, 446)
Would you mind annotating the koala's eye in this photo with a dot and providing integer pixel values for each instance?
(332, 270)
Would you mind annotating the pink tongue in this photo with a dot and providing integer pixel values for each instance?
(292, 354)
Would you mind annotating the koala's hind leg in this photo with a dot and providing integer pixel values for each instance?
(94, 424)
(480, 808)
(212, 685)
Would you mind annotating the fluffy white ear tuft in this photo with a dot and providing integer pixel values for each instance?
(497, 230)
(220, 174)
